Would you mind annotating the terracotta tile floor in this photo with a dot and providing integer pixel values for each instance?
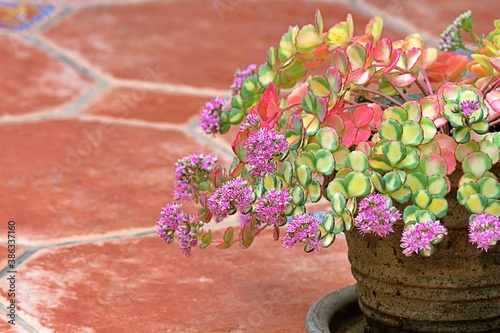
(98, 100)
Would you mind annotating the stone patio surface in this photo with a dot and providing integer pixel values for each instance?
(98, 100)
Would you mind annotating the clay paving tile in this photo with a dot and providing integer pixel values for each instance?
(147, 105)
(143, 285)
(190, 42)
(434, 16)
(69, 178)
(19, 250)
(33, 81)
(5, 327)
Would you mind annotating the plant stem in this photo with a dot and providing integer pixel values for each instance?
(398, 90)
(387, 97)
(426, 79)
(421, 87)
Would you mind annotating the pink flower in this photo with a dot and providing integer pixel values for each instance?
(484, 230)
(233, 195)
(188, 171)
(210, 115)
(187, 239)
(170, 219)
(271, 207)
(376, 215)
(240, 76)
(261, 147)
(302, 229)
(421, 236)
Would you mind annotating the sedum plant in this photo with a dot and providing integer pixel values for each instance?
(358, 121)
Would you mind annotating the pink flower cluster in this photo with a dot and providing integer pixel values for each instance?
(484, 230)
(420, 236)
(376, 215)
(210, 115)
(240, 76)
(233, 195)
(261, 147)
(271, 207)
(188, 171)
(302, 229)
(172, 221)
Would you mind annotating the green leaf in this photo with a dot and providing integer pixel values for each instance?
(438, 206)
(248, 234)
(476, 203)
(422, 198)
(357, 161)
(314, 190)
(303, 175)
(340, 156)
(206, 240)
(466, 190)
(306, 158)
(379, 163)
(287, 172)
(338, 203)
(394, 152)
(294, 139)
(319, 86)
(328, 138)
(390, 130)
(476, 164)
(412, 133)
(410, 213)
(402, 195)
(416, 181)
(392, 181)
(357, 185)
(298, 197)
(250, 87)
(311, 123)
(489, 187)
(325, 163)
(328, 240)
(328, 223)
(462, 134)
(228, 235)
(437, 186)
(429, 129)
(308, 39)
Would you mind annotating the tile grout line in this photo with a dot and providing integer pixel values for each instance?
(24, 323)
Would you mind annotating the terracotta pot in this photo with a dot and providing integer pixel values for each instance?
(457, 289)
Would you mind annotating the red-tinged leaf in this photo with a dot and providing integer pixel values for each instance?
(238, 143)
(276, 232)
(357, 56)
(377, 116)
(382, 51)
(322, 52)
(430, 107)
(403, 80)
(341, 61)
(362, 76)
(362, 135)
(313, 64)
(455, 66)
(248, 234)
(363, 115)
(295, 96)
(495, 62)
(446, 142)
(268, 108)
(321, 109)
(334, 79)
(394, 60)
(349, 134)
(450, 159)
(238, 169)
(412, 57)
(374, 27)
(334, 121)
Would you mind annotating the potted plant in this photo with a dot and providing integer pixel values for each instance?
(400, 139)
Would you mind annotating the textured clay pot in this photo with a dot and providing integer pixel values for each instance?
(457, 289)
